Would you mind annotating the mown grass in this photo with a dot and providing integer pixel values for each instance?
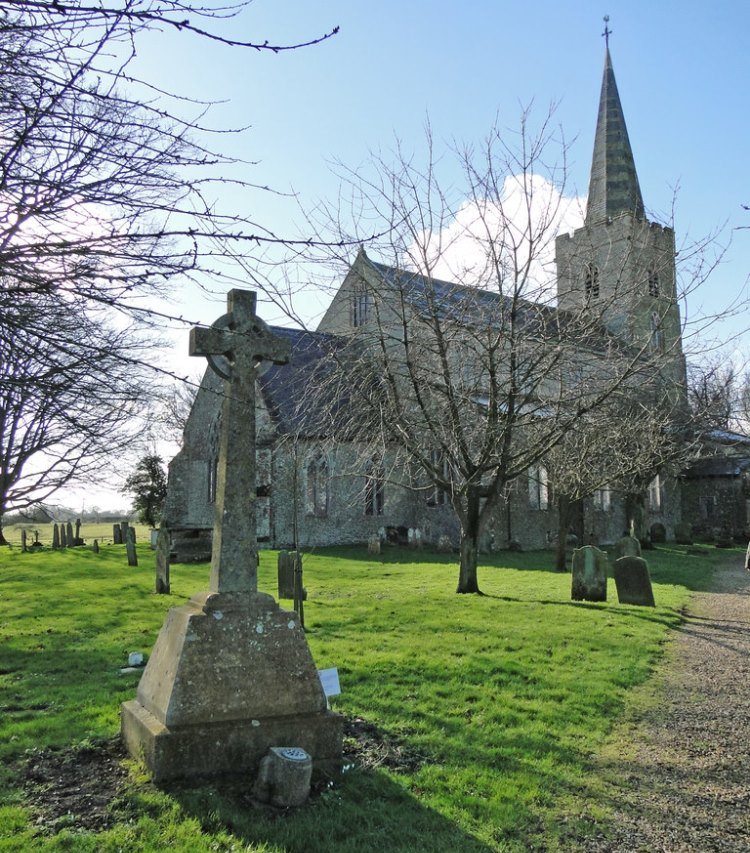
(505, 697)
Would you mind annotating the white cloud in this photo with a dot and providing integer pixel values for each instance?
(504, 243)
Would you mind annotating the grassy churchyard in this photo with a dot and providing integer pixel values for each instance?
(473, 721)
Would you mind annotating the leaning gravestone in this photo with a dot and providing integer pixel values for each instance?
(633, 582)
(589, 574)
(163, 547)
(117, 534)
(231, 674)
(130, 547)
(628, 546)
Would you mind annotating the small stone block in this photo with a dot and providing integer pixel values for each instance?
(284, 777)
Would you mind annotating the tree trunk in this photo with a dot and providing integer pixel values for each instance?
(635, 514)
(563, 522)
(467, 575)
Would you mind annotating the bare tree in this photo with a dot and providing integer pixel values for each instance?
(71, 390)
(465, 385)
(108, 190)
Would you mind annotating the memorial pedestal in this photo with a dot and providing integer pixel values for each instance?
(230, 676)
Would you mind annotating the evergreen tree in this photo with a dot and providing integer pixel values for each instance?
(148, 485)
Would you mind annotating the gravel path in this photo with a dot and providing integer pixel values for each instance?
(687, 787)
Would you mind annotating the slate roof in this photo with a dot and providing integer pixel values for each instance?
(286, 388)
(448, 301)
(613, 184)
(717, 466)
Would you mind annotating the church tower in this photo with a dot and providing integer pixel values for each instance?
(619, 266)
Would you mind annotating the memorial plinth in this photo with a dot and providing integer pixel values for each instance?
(231, 674)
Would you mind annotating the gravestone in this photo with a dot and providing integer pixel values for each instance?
(124, 527)
(633, 582)
(231, 674)
(589, 574)
(69, 535)
(63, 536)
(95, 546)
(23, 540)
(163, 547)
(285, 574)
(130, 547)
(628, 546)
(117, 534)
(78, 540)
(373, 544)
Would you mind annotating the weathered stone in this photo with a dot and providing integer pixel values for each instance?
(78, 540)
(627, 546)
(130, 547)
(589, 574)
(95, 546)
(683, 533)
(23, 540)
(658, 533)
(231, 674)
(69, 536)
(373, 545)
(117, 534)
(444, 545)
(633, 582)
(284, 777)
(63, 537)
(124, 527)
(163, 545)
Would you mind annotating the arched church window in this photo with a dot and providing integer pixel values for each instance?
(591, 281)
(317, 486)
(653, 282)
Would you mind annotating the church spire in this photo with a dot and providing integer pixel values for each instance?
(613, 186)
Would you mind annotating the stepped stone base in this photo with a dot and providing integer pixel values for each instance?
(229, 677)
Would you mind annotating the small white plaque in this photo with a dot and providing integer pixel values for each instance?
(329, 678)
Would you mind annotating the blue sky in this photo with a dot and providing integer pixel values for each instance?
(681, 69)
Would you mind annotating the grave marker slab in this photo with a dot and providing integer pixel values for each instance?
(628, 546)
(130, 547)
(633, 582)
(589, 574)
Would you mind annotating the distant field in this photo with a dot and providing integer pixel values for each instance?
(102, 531)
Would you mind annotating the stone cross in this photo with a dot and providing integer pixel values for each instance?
(235, 345)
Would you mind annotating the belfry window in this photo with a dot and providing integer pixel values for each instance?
(653, 282)
(591, 281)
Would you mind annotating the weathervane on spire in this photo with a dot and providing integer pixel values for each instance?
(607, 32)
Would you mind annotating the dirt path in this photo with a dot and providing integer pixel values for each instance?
(687, 788)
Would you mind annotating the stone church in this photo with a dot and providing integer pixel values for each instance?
(313, 495)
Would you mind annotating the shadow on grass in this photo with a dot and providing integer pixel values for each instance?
(366, 811)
